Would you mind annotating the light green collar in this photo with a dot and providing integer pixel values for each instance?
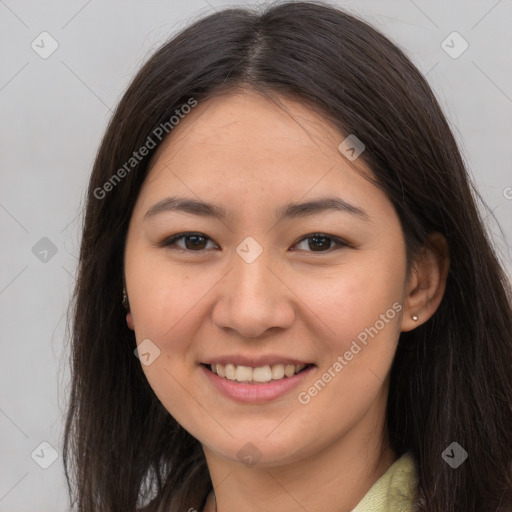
(395, 490)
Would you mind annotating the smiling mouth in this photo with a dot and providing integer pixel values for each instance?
(259, 375)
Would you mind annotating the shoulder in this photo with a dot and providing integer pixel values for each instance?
(395, 490)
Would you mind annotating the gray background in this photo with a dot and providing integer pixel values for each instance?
(53, 113)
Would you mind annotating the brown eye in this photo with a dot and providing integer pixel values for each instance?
(198, 242)
(319, 242)
(194, 242)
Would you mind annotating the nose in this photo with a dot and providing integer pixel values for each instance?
(253, 298)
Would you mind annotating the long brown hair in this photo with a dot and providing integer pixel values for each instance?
(451, 377)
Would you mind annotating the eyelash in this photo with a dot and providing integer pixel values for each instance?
(171, 241)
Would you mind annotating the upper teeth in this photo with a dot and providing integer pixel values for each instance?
(259, 374)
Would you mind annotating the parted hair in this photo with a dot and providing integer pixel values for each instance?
(451, 377)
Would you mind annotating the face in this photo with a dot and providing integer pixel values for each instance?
(258, 281)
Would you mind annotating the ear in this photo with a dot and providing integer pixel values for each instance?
(126, 304)
(427, 282)
(129, 320)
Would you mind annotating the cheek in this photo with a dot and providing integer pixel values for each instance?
(358, 296)
(163, 295)
(360, 310)
(165, 312)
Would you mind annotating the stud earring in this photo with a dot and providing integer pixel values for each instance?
(415, 317)
(125, 299)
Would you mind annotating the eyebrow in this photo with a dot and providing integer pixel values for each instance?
(288, 211)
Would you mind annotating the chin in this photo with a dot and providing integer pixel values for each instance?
(252, 450)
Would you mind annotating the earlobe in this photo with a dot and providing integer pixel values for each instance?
(129, 320)
(427, 282)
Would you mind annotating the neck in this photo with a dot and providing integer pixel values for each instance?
(334, 479)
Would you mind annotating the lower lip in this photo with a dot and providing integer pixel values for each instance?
(256, 393)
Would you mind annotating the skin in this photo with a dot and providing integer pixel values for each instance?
(250, 156)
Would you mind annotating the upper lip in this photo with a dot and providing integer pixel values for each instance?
(254, 362)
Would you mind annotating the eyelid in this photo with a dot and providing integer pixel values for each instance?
(171, 240)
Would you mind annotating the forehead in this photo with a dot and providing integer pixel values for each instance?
(240, 119)
(248, 146)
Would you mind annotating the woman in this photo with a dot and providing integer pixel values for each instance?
(312, 315)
